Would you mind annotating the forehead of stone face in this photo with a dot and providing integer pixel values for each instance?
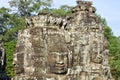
(56, 43)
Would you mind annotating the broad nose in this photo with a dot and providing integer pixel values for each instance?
(60, 60)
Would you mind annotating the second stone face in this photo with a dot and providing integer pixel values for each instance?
(58, 62)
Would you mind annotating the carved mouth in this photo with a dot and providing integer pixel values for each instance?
(60, 68)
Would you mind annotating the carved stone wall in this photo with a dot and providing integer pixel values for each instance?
(55, 48)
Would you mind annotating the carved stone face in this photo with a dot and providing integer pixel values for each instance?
(97, 58)
(58, 62)
(18, 64)
(59, 53)
(18, 68)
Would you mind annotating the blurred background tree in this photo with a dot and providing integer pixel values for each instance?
(29, 7)
(114, 49)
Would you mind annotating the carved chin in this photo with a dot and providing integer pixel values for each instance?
(98, 61)
(18, 71)
(60, 70)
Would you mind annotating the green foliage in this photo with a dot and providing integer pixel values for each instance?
(102, 20)
(114, 49)
(10, 48)
(17, 23)
(108, 32)
(62, 11)
(9, 38)
(10, 25)
(4, 19)
(28, 7)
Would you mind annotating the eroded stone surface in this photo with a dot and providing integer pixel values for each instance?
(55, 48)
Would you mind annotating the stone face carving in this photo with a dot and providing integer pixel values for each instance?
(57, 54)
(55, 48)
(58, 62)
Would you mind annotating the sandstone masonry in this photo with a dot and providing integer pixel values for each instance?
(56, 48)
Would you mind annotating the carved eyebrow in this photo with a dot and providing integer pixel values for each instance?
(59, 53)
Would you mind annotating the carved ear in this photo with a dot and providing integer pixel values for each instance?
(70, 56)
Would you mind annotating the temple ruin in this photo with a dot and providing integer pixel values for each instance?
(57, 48)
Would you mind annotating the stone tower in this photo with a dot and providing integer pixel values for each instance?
(56, 48)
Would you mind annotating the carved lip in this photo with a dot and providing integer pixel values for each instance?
(60, 70)
(60, 67)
